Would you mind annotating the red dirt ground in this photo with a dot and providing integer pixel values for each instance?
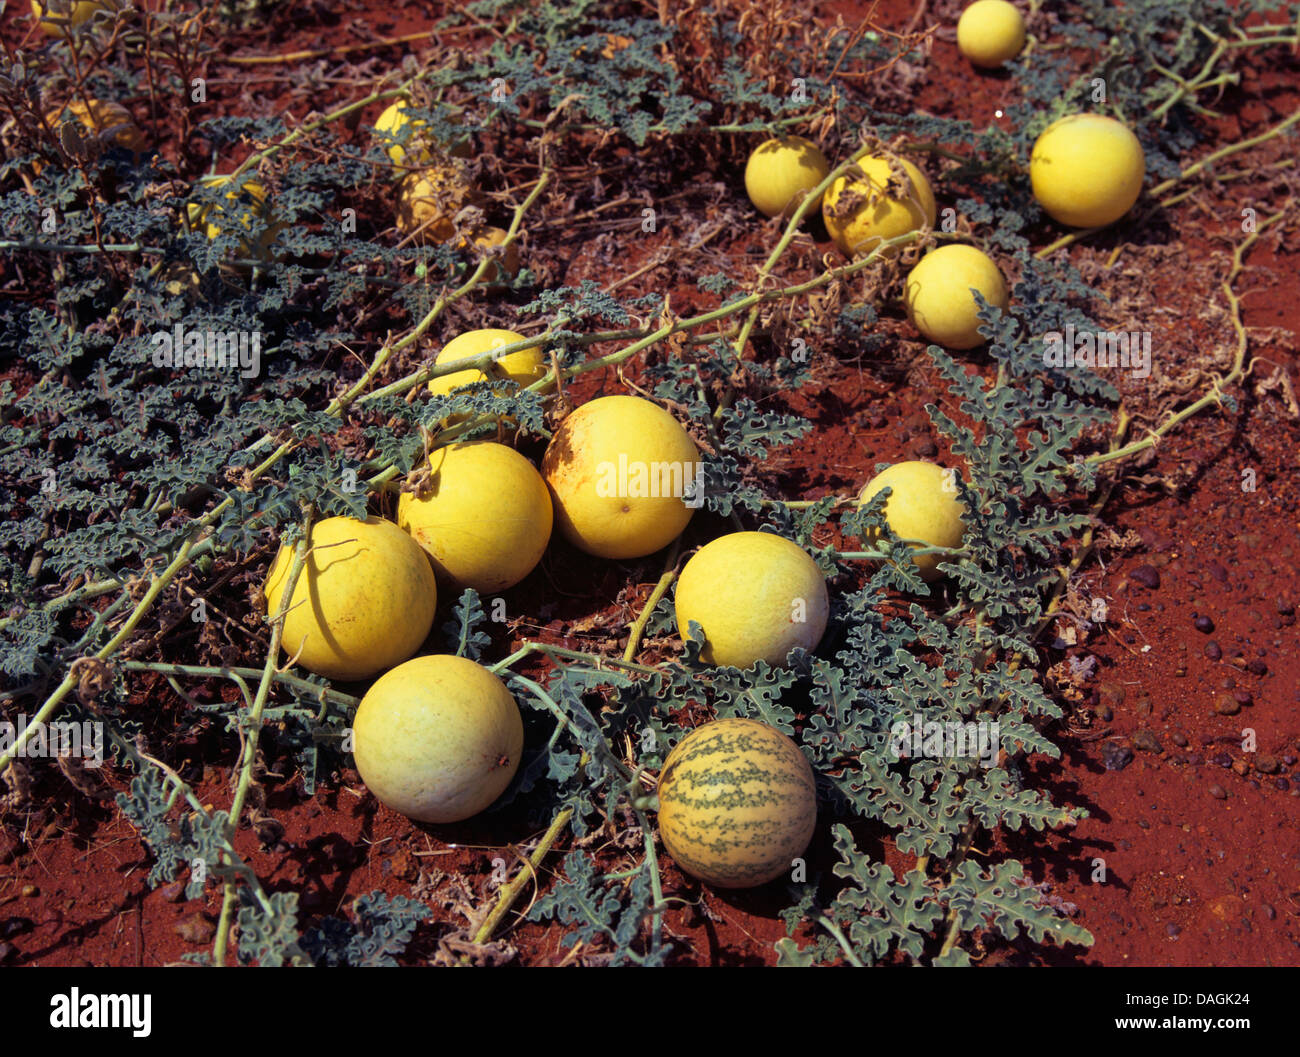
(1199, 839)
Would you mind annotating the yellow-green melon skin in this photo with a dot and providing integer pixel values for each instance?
(756, 595)
(1087, 170)
(617, 467)
(438, 738)
(486, 518)
(781, 172)
(364, 600)
(939, 299)
(737, 803)
(919, 508)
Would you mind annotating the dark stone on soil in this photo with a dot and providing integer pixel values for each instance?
(196, 929)
(1147, 576)
(1285, 607)
(1218, 792)
(1179, 739)
(1105, 714)
(1173, 930)
(1203, 624)
(1147, 742)
(1223, 760)
(1217, 571)
(1257, 667)
(1281, 784)
(1266, 764)
(924, 447)
(1243, 697)
(7, 951)
(1116, 754)
(1213, 650)
(1226, 705)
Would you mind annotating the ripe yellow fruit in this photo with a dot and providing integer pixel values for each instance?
(487, 239)
(781, 172)
(922, 506)
(53, 23)
(428, 201)
(1087, 170)
(939, 302)
(737, 803)
(486, 520)
(248, 205)
(101, 118)
(618, 468)
(364, 600)
(523, 368)
(756, 595)
(990, 32)
(438, 738)
(414, 148)
(862, 211)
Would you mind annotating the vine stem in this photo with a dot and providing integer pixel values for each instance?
(510, 893)
(661, 588)
(51, 704)
(1239, 368)
(205, 671)
(253, 728)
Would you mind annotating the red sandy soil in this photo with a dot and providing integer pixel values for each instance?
(1198, 838)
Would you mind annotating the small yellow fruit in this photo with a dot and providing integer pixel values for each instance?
(428, 201)
(101, 118)
(781, 172)
(438, 738)
(618, 468)
(55, 23)
(756, 595)
(364, 600)
(414, 148)
(939, 302)
(1087, 170)
(486, 520)
(737, 803)
(875, 207)
(922, 506)
(248, 205)
(990, 32)
(523, 367)
(485, 241)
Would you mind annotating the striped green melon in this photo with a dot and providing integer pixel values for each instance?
(737, 803)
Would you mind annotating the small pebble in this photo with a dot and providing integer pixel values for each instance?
(1223, 760)
(1147, 576)
(1218, 792)
(1217, 571)
(1105, 714)
(1269, 912)
(30, 890)
(1266, 764)
(1281, 784)
(1213, 650)
(1226, 705)
(1203, 624)
(1243, 697)
(1240, 767)
(1173, 930)
(1179, 739)
(1257, 667)
(7, 951)
(1116, 754)
(1147, 742)
(1194, 758)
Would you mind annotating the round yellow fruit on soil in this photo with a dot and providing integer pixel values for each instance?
(54, 24)
(862, 211)
(428, 201)
(101, 118)
(523, 367)
(922, 506)
(247, 206)
(990, 32)
(1087, 170)
(364, 600)
(781, 172)
(484, 243)
(486, 518)
(619, 467)
(756, 595)
(413, 149)
(438, 738)
(737, 803)
(939, 299)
